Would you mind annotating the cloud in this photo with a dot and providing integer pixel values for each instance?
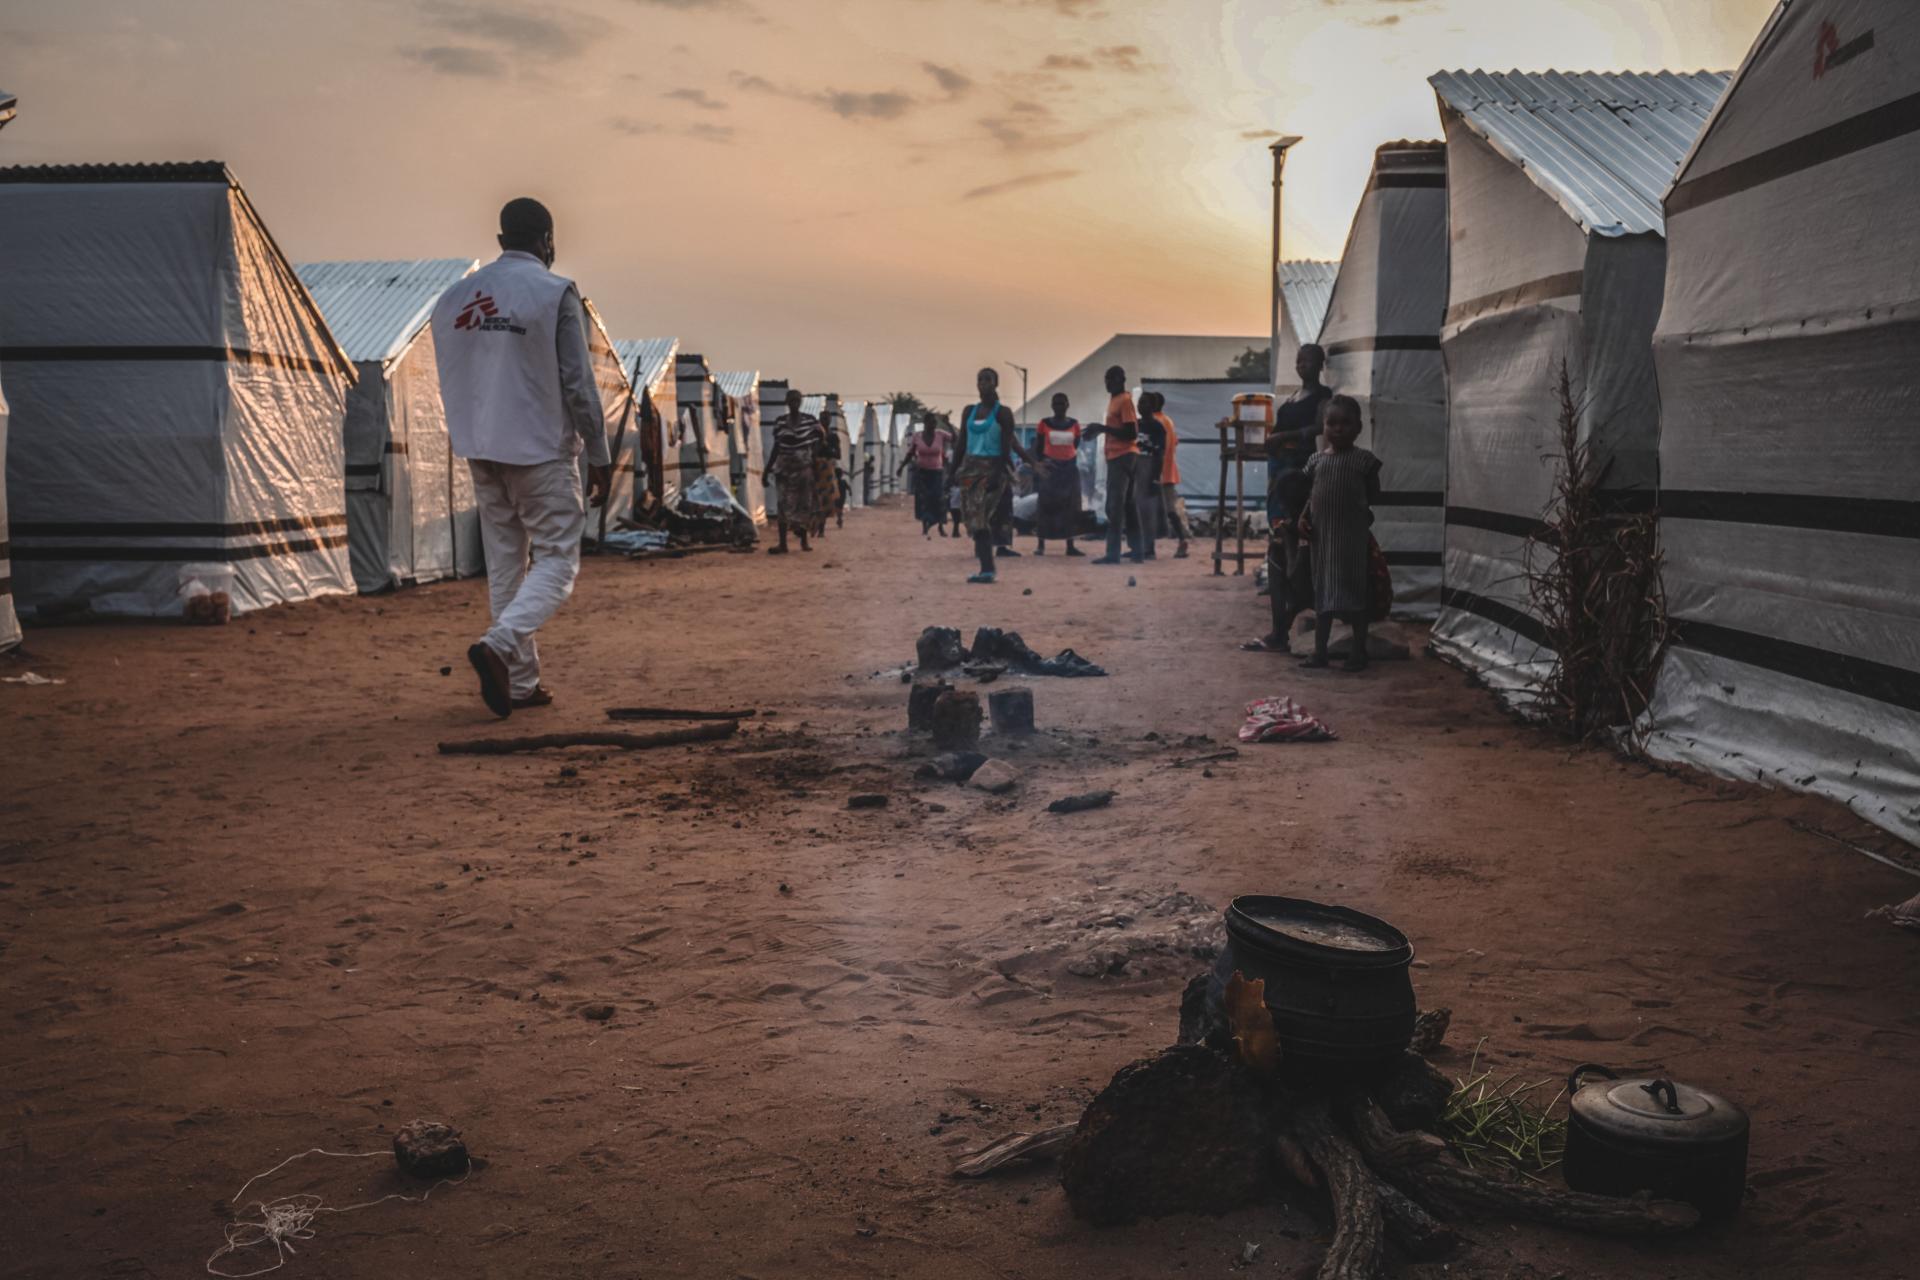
(951, 82)
(1125, 58)
(1254, 135)
(698, 97)
(457, 60)
(1391, 19)
(694, 6)
(516, 33)
(887, 104)
(1020, 183)
(699, 131)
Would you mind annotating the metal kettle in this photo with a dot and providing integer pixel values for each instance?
(1655, 1135)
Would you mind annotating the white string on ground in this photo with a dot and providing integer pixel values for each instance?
(285, 1219)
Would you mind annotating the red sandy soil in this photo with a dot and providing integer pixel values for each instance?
(246, 909)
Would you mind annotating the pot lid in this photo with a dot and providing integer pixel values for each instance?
(1658, 1110)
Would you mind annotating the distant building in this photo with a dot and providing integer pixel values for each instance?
(1142, 355)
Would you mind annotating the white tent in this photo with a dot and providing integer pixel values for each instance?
(1789, 362)
(649, 365)
(701, 433)
(876, 420)
(1554, 183)
(410, 512)
(888, 455)
(773, 403)
(618, 408)
(8, 104)
(1142, 355)
(741, 391)
(1382, 336)
(177, 399)
(853, 425)
(1306, 286)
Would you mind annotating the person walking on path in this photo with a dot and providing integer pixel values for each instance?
(1122, 433)
(987, 445)
(797, 441)
(1153, 451)
(1346, 484)
(510, 343)
(1292, 441)
(829, 498)
(927, 455)
(1058, 439)
(1173, 512)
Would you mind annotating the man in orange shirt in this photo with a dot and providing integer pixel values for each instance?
(1122, 430)
(1168, 508)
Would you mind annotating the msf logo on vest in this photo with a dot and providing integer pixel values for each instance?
(481, 315)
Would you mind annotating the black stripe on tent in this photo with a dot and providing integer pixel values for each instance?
(396, 446)
(1382, 180)
(222, 555)
(6, 586)
(1427, 558)
(1565, 285)
(1521, 624)
(1386, 342)
(1884, 123)
(1410, 498)
(1863, 677)
(365, 468)
(174, 529)
(304, 364)
(1887, 517)
(4, 547)
(1611, 501)
(1496, 521)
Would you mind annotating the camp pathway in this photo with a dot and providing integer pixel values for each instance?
(247, 909)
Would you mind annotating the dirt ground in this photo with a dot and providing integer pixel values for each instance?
(246, 910)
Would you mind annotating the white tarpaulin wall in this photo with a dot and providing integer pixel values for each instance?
(871, 456)
(1789, 361)
(9, 621)
(176, 397)
(1382, 337)
(1557, 256)
(746, 461)
(700, 438)
(1196, 405)
(410, 508)
(773, 403)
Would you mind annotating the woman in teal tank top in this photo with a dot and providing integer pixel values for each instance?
(987, 445)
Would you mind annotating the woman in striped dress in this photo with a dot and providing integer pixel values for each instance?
(796, 448)
(1346, 484)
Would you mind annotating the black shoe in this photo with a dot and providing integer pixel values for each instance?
(1006, 551)
(1075, 551)
(1108, 560)
(496, 689)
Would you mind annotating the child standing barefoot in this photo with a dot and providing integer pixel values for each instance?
(1346, 483)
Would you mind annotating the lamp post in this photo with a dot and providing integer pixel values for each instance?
(1023, 384)
(1279, 149)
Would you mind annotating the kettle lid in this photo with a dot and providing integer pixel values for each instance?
(1657, 1110)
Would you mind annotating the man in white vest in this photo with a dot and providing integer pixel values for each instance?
(517, 381)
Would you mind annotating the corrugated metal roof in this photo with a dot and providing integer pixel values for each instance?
(646, 360)
(1603, 144)
(1308, 286)
(7, 104)
(815, 405)
(738, 385)
(375, 308)
(165, 171)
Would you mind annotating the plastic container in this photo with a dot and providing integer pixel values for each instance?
(206, 593)
(1254, 407)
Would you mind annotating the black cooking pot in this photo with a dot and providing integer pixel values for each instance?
(1336, 982)
(1678, 1142)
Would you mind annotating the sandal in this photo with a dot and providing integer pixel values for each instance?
(981, 577)
(1263, 645)
(540, 697)
(1315, 663)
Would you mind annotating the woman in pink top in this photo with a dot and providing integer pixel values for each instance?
(927, 455)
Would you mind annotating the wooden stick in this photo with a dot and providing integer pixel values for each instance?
(669, 713)
(1442, 1179)
(1357, 1224)
(1016, 1146)
(1413, 1230)
(625, 741)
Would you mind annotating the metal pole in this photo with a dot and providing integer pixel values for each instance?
(1279, 150)
(1023, 384)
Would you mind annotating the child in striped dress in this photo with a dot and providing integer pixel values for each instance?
(1346, 483)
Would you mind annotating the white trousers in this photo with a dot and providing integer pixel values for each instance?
(534, 510)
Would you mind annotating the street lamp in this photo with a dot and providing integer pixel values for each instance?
(1023, 384)
(1279, 149)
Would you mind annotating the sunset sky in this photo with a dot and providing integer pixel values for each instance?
(861, 195)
